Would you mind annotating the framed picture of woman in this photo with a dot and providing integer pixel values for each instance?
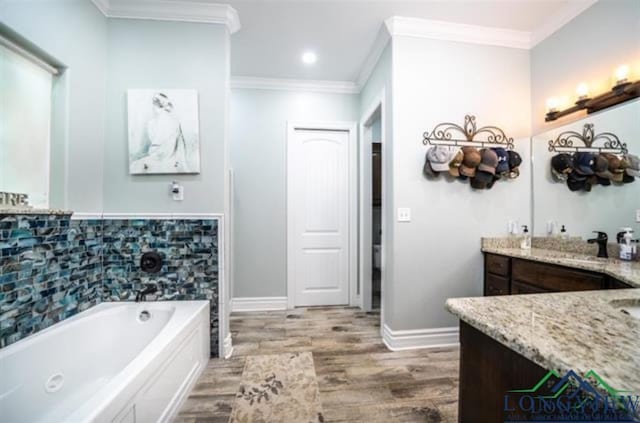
(163, 132)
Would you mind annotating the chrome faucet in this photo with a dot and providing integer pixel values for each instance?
(142, 293)
(602, 239)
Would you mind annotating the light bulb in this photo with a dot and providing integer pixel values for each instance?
(552, 104)
(309, 58)
(583, 91)
(622, 74)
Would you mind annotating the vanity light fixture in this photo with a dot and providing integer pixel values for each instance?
(582, 90)
(552, 104)
(309, 58)
(622, 90)
(622, 75)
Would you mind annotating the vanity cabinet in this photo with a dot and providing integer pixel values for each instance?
(506, 275)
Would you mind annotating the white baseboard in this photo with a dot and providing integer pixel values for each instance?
(227, 347)
(397, 340)
(258, 303)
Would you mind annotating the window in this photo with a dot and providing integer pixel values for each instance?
(25, 124)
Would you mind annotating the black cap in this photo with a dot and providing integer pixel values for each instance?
(561, 166)
(514, 163)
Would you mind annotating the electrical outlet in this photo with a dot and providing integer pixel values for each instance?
(638, 215)
(404, 215)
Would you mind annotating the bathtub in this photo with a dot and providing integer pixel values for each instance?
(116, 362)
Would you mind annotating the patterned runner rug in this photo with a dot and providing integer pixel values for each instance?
(278, 388)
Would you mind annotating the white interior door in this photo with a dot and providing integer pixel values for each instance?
(318, 214)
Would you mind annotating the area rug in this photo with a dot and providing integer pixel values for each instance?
(278, 388)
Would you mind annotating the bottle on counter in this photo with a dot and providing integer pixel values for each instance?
(563, 233)
(525, 244)
(628, 248)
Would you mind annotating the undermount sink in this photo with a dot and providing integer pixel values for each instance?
(628, 307)
(632, 311)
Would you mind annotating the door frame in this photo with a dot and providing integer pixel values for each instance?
(366, 210)
(352, 204)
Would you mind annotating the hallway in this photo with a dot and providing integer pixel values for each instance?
(359, 379)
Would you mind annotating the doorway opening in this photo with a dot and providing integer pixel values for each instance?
(376, 219)
(372, 212)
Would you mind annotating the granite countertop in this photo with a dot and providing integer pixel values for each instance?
(578, 331)
(628, 272)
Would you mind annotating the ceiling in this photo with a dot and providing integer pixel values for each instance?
(274, 33)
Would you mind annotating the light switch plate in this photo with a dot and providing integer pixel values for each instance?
(404, 214)
(179, 196)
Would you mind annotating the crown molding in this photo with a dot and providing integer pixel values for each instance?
(449, 31)
(560, 19)
(171, 10)
(335, 87)
(372, 58)
(102, 5)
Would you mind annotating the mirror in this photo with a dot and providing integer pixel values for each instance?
(25, 126)
(604, 208)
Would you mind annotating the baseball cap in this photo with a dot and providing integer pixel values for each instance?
(561, 166)
(582, 162)
(634, 165)
(514, 164)
(503, 160)
(615, 167)
(470, 162)
(427, 169)
(601, 168)
(440, 156)
(455, 163)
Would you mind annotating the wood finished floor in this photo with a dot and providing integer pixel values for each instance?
(359, 379)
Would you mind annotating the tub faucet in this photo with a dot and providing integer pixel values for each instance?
(601, 240)
(142, 293)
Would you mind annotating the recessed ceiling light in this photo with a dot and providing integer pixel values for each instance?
(309, 58)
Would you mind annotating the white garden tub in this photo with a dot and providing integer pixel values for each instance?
(107, 364)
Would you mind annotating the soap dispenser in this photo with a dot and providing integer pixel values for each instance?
(525, 244)
(628, 249)
(563, 233)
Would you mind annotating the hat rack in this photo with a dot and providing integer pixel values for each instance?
(564, 142)
(451, 134)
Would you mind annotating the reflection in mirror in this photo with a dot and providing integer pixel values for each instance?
(604, 208)
(25, 122)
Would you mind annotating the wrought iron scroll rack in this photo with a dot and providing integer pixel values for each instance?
(587, 142)
(451, 134)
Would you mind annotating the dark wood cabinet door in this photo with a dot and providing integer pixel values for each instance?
(553, 278)
(498, 265)
(616, 284)
(496, 285)
(488, 370)
(518, 288)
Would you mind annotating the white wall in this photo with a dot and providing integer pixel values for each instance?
(258, 158)
(165, 55)
(587, 49)
(604, 208)
(437, 255)
(75, 33)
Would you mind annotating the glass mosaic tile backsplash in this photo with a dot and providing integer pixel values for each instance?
(52, 267)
